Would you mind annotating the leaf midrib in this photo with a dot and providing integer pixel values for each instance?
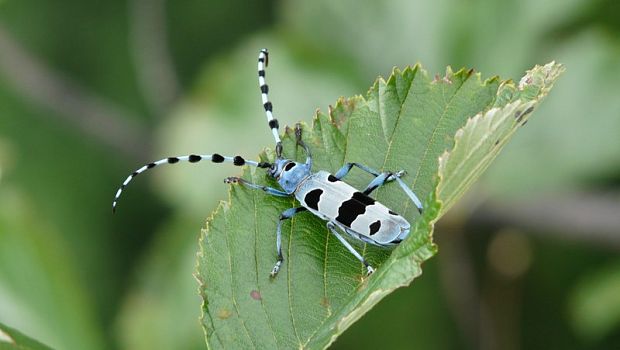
(430, 140)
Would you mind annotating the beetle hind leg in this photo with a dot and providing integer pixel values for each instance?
(332, 228)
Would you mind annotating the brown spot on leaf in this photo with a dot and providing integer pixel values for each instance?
(256, 295)
(224, 314)
(324, 302)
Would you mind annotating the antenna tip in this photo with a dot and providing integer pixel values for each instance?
(266, 53)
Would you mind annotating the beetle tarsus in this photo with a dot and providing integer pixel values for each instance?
(231, 180)
(276, 269)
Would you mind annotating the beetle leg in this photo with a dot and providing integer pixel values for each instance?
(287, 214)
(332, 228)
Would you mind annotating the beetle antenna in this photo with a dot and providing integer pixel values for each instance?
(192, 158)
(263, 61)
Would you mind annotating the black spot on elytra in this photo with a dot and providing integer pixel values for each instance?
(363, 198)
(332, 178)
(312, 198)
(350, 209)
(374, 227)
(216, 158)
(392, 213)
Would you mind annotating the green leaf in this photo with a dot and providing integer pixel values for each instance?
(484, 135)
(12, 339)
(406, 122)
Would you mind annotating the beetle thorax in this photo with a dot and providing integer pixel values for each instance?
(289, 174)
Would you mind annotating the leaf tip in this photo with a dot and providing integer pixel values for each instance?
(492, 80)
(541, 75)
(339, 113)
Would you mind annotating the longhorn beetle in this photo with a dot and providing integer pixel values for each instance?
(323, 194)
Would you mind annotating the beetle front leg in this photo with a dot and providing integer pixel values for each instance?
(268, 190)
(287, 214)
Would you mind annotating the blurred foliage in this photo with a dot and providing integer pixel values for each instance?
(595, 303)
(12, 339)
(75, 277)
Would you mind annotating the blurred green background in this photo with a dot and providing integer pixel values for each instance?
(91, 90)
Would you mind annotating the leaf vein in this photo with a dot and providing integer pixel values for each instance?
(432, 138)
